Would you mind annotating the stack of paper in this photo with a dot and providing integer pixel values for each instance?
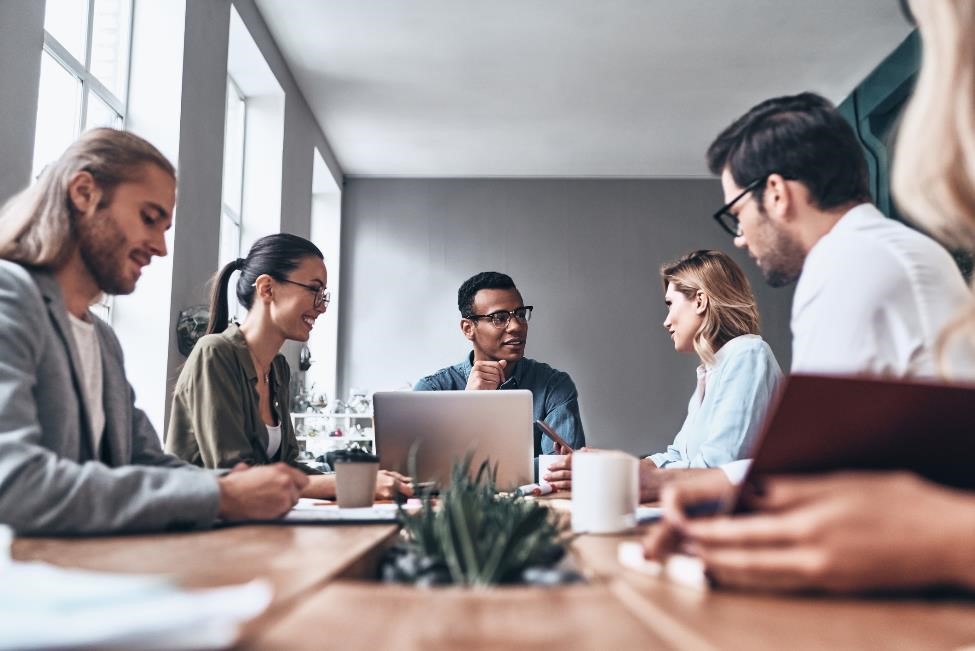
(47, 607)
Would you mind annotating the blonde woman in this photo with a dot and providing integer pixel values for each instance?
(711, 312)
(851, 532)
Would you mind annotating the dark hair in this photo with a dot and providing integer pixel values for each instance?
(477, 282)
(275, 255)
(802, 137)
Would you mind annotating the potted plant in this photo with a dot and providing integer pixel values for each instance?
(475, 536)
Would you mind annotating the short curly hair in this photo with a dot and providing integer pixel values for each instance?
(477, 282)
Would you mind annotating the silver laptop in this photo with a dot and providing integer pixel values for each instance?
(494, 425)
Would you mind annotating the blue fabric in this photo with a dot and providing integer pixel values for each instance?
(721, 428)
(554, 396)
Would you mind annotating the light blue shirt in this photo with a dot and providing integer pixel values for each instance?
(727, 408)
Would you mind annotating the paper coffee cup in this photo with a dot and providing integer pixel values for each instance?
(605, 491)
(355, 479)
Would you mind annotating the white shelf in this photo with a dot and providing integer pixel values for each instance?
(315, 414)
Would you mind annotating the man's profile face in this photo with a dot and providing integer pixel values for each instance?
(490, 341)
(121, 235)
(776, 252)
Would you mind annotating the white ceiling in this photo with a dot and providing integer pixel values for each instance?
(562, 88)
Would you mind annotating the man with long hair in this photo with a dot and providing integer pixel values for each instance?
(76, 455)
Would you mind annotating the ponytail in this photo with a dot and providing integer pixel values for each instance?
(219, 308)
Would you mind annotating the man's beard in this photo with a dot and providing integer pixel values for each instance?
(783, 260)
(103, 249)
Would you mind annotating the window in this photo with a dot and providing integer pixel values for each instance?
(84, 79)
(84, 72)
(233, 179)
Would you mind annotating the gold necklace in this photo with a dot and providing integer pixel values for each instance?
(267, 373)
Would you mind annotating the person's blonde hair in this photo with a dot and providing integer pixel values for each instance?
(37, 224)
(933, 177)
(731, 308)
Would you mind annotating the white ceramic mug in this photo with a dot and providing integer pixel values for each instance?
(355, 483)
(605, 491)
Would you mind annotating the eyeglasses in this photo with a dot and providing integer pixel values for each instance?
(501, 318)
(728, 220)
(322, 296)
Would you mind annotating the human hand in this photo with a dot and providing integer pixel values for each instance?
(680, 491)
(390, 483)
(261, 492)
(486, 375)
(844, 532)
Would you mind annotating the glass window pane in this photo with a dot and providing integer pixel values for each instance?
(110, 44)
(229, 238)
(58, 112)
(101, 114)
(67, 21)
(233, 149)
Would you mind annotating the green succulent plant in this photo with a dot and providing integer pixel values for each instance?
(478, 537)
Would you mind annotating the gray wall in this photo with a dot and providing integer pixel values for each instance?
(20, 73)
(586, 253)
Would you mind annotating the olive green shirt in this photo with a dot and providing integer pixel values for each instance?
(215, 420)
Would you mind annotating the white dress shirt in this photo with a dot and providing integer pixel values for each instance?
(873, 296)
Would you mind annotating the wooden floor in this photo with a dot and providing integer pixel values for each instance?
(322, 599)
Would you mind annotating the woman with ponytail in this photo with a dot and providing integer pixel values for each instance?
(231, 404)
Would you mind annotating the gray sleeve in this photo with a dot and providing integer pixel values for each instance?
(44, 493)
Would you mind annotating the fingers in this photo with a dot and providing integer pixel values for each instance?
(239, 466)
(557, 475)
(561, 485)
(561, 449)
(784, 492)
(677, 497)
(662, 540)
(397, 476)
(562, 464)
(299, 478)
(486, 375)
(765, 568)
(748, 530)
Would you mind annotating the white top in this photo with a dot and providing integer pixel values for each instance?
(273, 440)
(727, 407)
(873, 296)
(90, 358)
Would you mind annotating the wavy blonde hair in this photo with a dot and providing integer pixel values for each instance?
(37, 224)
(933, 178)
(731, 308)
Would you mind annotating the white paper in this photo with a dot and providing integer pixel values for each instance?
(47, 607)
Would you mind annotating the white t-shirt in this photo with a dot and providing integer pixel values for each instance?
(873, 296)
(273, 440)
(90, 358)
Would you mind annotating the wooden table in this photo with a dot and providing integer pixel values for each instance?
(322, 601)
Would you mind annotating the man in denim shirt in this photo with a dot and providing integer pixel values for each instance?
(494, 318)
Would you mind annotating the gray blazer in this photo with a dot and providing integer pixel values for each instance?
(50, 480)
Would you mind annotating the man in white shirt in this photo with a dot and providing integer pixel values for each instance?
(872, 293)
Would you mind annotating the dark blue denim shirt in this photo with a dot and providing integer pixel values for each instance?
(554, 396)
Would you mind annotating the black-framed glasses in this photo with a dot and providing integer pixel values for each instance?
(322, 296)
(728, 220)
(501, 318)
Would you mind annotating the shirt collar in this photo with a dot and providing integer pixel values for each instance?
(236, 337)
(855, 217)
(722, 353)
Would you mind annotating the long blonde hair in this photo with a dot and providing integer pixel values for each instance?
(37, 224)
(933, 178)
(731, 308)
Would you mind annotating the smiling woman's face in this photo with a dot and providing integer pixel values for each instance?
(684, 318)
